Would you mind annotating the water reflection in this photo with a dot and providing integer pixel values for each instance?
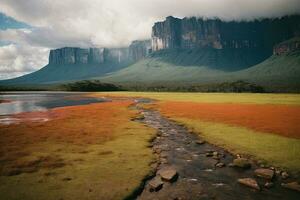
(38, 101)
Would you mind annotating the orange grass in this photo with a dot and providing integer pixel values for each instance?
(79, 125)
(279, 119)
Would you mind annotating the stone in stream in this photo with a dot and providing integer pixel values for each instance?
(242, 163)
(220, 165)
(250, 182)
(155, 184)
(264, 173)
(168, 174)
(269, 185)
(292, 186)
(200, 142)
(284, 175)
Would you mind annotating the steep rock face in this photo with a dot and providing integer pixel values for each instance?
(116, 55)
(166, 34)
(73, 55)
(139, 49)
(287, 46)
(194, 32)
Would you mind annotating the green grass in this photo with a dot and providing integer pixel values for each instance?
(275, 150)
(289, 99)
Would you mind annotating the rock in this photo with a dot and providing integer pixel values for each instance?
(168, 174)
(242, 163)
(250, 182)
(264, 173)
(209, 154)
(230, 165)
(284, 175)
(292, 186)
(163, 161)
(200, 142)
(164, 154)
(155, 184)
(269, 185)
(277, 172)
(215, 153)
(220, 165)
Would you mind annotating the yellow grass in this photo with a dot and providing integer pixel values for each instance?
(276, 150)
(289, 99)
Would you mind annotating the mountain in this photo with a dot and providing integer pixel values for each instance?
(189, 50)
(280, 72)
(72, 63)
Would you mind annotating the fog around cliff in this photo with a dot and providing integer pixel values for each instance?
(106, 23)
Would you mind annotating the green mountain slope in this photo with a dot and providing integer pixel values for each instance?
(277, 73)
(63, 73)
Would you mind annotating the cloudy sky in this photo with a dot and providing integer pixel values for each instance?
(30, 28)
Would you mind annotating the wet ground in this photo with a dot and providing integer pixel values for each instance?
(198, 176)
(18, 102)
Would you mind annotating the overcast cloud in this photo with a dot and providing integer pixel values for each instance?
(108, 23)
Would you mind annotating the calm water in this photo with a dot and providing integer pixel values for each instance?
(39, 101)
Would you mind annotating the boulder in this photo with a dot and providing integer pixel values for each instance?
(292, 186)
(250, 182)
(264, 173)
(168, 174)
(242, 163)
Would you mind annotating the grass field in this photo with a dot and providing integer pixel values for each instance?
(265, 126)
(83, 152)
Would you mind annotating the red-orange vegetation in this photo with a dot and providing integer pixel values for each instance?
(78, 125)
(278, 119)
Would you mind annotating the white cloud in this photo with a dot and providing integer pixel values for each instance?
(118, 22)
(112, 23)
(17, 60)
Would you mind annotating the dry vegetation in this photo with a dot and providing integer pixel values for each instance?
(265, 126)
(82, 152)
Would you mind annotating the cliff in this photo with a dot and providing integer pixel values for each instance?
(73, 55)
(189, 33)
(139, 49)
(288, 46)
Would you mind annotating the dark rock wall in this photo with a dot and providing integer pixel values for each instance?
(194, 32)
(287, 46)
(139, 49)
(72, 55)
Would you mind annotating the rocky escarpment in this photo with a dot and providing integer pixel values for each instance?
(194, 32)
(287, 46)
(73, 55)
(139, 49)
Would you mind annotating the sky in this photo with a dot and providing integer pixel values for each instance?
(30, 28)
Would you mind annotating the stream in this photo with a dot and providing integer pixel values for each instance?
(198, 176)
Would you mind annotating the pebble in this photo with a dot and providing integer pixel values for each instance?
(220, 165)
(250, 182)
(155, 184)
(292, 185)
(242, 163)
(284, 175)
(264, 173)
(269, 185)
